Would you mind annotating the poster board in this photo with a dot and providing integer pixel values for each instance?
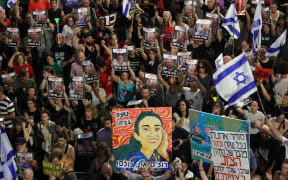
(131, 127)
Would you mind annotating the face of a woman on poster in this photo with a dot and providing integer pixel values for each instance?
(151, 132)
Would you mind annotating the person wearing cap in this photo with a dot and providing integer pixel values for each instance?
(7, 109)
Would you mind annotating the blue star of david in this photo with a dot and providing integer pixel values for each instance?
(240, 78)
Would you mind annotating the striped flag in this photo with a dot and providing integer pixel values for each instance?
(256, 28)
(234, 81)
(230, 22)
(275, 47)
(127, 4)
(8, 166)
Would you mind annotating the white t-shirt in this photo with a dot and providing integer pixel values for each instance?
(257, 118)
(185, 123)
(280, 89)
(285, 144)
(195, 99)
(189, 175)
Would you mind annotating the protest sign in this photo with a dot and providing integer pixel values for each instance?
(110, 20)
(53, 169)
(77, 88)
(266, 15)
(170, 65)
(120, 59)
(9, 80)
(25, 159)
(179, 36)
(203, 27)
(219, 61)
(13, 37)
(262, 73)
(191, 69)
(82, 14)
(230, 155)
(40, 18)
(187, 12)
(240, 7)
(132, 140)
(182, 57)
(214, 22)
(90, 72)
(84, 143)
(151, 80)
(200, 125)
(168, 33)
(55, 87)
(34, 39)
(149, 37)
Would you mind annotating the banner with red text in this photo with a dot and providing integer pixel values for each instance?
(230, 155)
(262, 73)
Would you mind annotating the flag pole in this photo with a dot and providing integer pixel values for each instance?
(233, 42)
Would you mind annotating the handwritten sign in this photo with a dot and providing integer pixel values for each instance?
(262, 73)
(53, 169)
(229, 152)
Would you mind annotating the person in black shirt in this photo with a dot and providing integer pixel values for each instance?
(206, 8)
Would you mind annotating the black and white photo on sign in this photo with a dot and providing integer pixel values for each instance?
(170, 65)
(149, 37)
(120, 59)
(40, 18)
(151, 80)
(182, 57)
(77, 88)
(266, 15)
(90, 72)
(25, 159)
(55, 87)
(179, 36)
(84, 142)
(203, 28)
(214, 22)
(34, 37)
(82, 14)
(191, 69)
(9, 80)
(14, 39)
(187, 12)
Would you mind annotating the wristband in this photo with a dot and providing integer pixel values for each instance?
(201, 169)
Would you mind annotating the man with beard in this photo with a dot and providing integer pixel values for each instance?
(105, 134)
(89, 47)
(64, 55)
(64, 147)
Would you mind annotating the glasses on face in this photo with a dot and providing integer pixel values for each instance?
(201, 67)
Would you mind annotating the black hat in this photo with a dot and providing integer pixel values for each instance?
(87, 34)
(20, 141)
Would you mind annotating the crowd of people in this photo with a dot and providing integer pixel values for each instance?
(48, 127)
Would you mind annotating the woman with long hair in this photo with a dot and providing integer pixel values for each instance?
(148, 144)
(205, 72)
(19, 62)
(68, 28)
(181, 114)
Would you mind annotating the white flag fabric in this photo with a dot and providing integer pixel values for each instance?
(8, 166)
(127, 4)
(219, 61)
(10, 3)
(256, 28)
(275, 47)
(234, 81)
(230, 22)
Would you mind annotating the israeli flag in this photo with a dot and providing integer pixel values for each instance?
(256, 28)
(275, 47)
(8, 166)
(230, 22)
(234, 80)
(10, 3)
(127, 4)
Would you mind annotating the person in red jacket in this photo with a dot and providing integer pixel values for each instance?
(39, 5)
(4, 22)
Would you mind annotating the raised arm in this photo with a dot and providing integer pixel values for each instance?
(132, 74)
(200, 86)
(163, 82)
(276, 133)
(114, 77)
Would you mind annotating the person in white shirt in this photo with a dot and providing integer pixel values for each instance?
(195, 94)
